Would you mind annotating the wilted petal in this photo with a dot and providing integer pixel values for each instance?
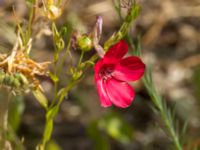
(120, 93)
(105, 101)
(117, 51)
(129, 69)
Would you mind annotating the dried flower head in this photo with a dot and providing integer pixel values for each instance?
(18, 71)
(53, 9)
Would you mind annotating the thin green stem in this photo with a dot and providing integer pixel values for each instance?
(81, 58)
(31, 20)
(64, 57)
(162, 109)
(133, 13)
(56, 68)
(117, 6)
(50, 120)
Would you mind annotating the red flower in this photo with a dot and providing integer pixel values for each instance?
(112, 73)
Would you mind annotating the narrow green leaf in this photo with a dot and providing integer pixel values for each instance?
(48, 130)
(15, 111)
(40, 97)
(63, 31)
(52, 112)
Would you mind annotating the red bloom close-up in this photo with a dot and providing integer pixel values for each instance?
(112, 73)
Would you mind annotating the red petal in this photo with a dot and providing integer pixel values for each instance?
(105, 101)
(103, 63)
(120, 93)
(117, 51)
(129, 69)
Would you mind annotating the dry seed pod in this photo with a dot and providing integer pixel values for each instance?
(84, 43)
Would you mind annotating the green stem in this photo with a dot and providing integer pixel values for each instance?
(170, 129)
(56, 69)
(133, 13)
(81, 58)
(50, 118)
(64, 57)
(162, 109)
(31, 19)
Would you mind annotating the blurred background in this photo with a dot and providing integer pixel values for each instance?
(170, 39)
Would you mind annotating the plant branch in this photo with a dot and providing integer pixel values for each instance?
(161, 108)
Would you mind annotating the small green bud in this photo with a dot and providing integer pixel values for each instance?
(11, 80)
(85, 43)
(6, 79)
(21, 78)
(16, 83)
(77, 75)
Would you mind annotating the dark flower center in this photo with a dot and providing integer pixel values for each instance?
(106, 72)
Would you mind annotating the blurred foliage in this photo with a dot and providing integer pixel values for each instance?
(52, 145)
(116, 127)
(112, 125)
(100, 140)
(16, 110)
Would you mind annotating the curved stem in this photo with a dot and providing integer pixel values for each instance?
(50, 118)
(162, 110)
(81, 58)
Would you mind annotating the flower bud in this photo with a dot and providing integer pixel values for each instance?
(77, 75)
(21, 78)
(54, 12)
(85, 43)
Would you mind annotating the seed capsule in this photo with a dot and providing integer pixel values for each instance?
(85, 43)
